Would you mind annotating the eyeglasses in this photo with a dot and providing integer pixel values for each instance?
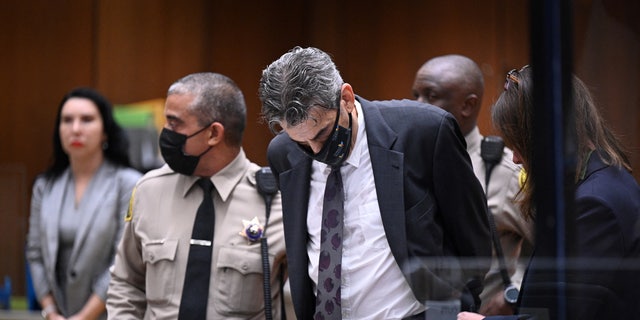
(512, 75)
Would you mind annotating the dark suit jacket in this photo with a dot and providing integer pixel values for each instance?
(431, 203)
(603, 282)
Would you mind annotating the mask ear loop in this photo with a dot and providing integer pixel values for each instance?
(347, 144)
(203, 128)
(333, 135)
(336, 123)
(193, 134)
(350, 121)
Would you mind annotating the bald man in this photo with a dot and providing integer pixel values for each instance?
(455, 83)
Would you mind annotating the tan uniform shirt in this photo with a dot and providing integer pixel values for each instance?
(149, 270)
(516, 234)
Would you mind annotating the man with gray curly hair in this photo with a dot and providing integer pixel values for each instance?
(406, 208)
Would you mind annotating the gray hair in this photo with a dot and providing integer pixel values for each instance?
(299, 80)
(216, 99)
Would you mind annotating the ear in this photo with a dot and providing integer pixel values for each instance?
(471, 106)
(216, 133)
(347, 97)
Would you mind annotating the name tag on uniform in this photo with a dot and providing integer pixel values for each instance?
(204, 243)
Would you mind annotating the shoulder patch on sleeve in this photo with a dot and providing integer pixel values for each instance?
(129, 215)
(522, 178)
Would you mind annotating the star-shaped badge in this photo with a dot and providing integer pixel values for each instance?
(252, 229)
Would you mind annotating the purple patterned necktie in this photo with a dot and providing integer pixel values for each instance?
(328, 304)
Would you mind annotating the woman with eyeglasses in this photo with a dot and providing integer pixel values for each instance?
(601, 279)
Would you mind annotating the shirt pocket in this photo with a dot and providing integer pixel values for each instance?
(365, 228)
(239, 291)
(159, 256)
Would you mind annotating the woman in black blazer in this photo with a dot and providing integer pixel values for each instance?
(603, 284)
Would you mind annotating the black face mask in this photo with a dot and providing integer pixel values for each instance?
(172, 146)
(336, 149)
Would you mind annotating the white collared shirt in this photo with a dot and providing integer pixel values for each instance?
(373, 286)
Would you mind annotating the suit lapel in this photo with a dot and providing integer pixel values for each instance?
(51, 211)
(388, 171)
(594, 163)
(295, 200)
(92, 200)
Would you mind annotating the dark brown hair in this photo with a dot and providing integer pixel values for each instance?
(512, 115)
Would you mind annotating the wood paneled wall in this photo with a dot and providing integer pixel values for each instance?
(133, 50)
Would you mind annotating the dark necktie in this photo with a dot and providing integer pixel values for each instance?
(328, 305)
(195, 293)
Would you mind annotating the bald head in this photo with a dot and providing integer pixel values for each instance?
(453, 83)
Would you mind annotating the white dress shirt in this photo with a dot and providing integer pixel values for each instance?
(372, 285)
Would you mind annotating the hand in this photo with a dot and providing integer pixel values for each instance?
(55, 316)
(80, 316)
(496, 305)
(469, 316)
(91, 310)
